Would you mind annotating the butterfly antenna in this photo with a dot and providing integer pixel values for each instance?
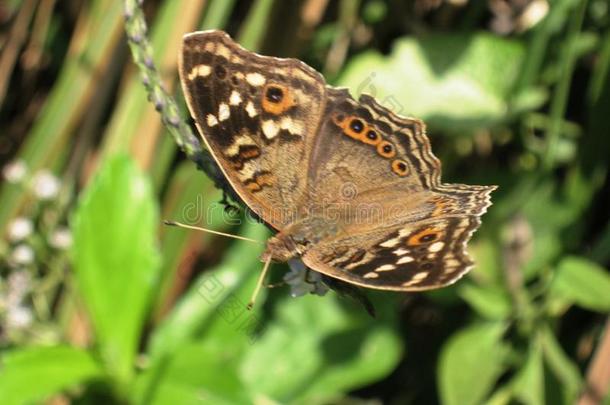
(259, 283)
(197, 228)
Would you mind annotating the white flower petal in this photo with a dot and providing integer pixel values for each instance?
(19, 229)
(23, 254)
(15, 171)
(46, 185)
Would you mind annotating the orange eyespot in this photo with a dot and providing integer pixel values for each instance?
(371, 137)
(277, 98)
(400, 168)
(386, 149)
(354, 127)
(426, 235)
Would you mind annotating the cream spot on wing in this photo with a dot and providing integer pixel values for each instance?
(386, 267)
(401, 251)
(270, 129)
(404, 232)
(251, 110)
(199, 71)
(223, 112)
(371, 274)
(211, 120)
(291, 126)
(436, 246)
(255, 79)
(248, 170)
(404, 259)
(367, 257)
(209, 46)
(233, 150)
(223, 51)
(235, 98)
(416, 279)
(452, 263)
(421, 276)
(390, 243)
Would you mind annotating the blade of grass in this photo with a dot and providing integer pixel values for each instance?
(253, 29)
(95, 39)
(217, 14)
(560, 99)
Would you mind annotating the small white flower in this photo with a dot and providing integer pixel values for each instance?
(18, 317)
(19, 229)
(19, 284)
(61, 238)
(15, 171)
(46, 185)
(22, 254)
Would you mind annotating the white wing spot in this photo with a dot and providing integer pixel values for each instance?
(199, 71)
(248, 170)
(288, 124)
(401, 251)
(421, 276)
(270, 129)
(416, 279)
(386, 267)
(371, 274)
(436, 246)
(251, 110)
(211, 120)
(404, 259)
(235, 98)
(255, 79)
(223, 112)
(233, 150)
(390, 243)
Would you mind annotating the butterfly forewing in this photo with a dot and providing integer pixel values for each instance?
(257, 115)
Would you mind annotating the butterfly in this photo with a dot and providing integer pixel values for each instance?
(352, 189)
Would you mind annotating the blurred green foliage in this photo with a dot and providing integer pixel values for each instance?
(101, 303)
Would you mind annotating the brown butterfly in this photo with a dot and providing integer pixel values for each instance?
(353, 189)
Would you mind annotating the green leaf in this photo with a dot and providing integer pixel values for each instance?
(33, 374)
(449, 80)
(583, 282)
(561, 365)
(116, 260)
(318, 350)
(207, 315)
(528, 384)
(199, 373)
(235, 276)
(489, 302)
(470, 363)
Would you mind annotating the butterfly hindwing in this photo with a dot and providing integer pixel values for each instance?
(418, 256)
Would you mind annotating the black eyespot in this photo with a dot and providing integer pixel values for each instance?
(356, 125)
(401, 166)
(428, 237)
(220, 71)
(372, 135)
(427, 266)
(274, 94)
(387, 148)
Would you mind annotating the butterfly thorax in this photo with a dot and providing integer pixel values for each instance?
(294, 240)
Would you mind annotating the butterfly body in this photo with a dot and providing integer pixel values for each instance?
(352, 189)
